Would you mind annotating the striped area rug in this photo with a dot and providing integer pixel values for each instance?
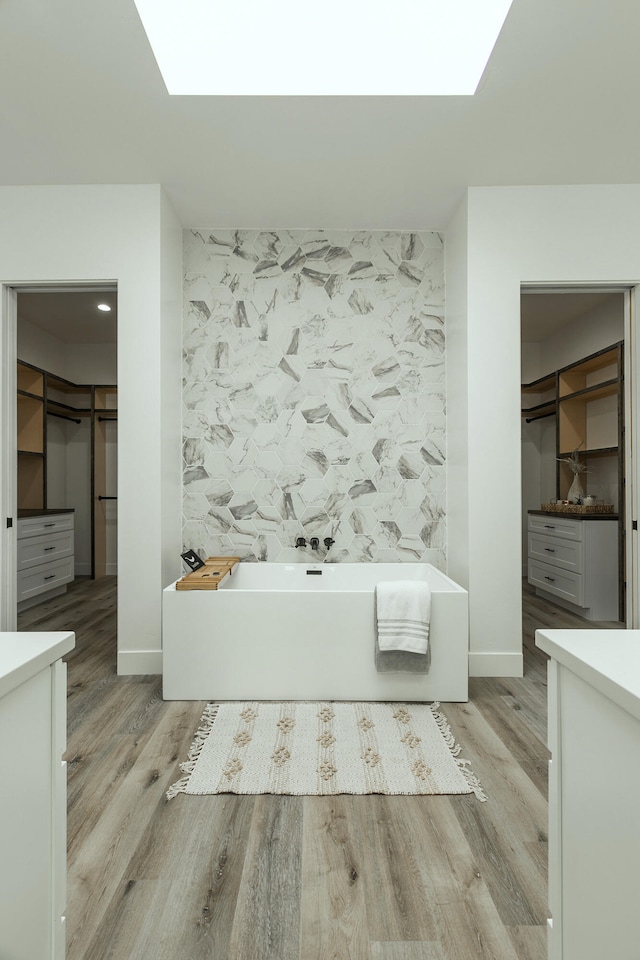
(314, 749)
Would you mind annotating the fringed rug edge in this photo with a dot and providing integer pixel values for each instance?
(204, 729)
(211, 711)
(463, 765)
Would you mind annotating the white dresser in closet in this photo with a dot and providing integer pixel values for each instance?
(45, 556)
(33, 795)
(574, 562)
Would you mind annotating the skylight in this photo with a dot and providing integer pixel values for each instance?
(334, 48)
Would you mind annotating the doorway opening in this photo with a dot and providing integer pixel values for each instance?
(66, 472)
(574, 455)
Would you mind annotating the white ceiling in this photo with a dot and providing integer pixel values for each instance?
(71, 315)
(82, 101)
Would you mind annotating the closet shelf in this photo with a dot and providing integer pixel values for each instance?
(541, 385)
(592, 452)
(56, 409)
(539, 410)
(606, 389)
(64, 416)
(32, 396)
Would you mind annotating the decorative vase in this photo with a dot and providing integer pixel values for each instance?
(576, 492)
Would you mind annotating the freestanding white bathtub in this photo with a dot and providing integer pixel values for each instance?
(280, 631)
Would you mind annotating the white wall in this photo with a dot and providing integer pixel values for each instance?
(538, 471)
(92, 363)
(78, 362)
(455, 271)
(171, 390)
(518, 235)
(115, 234)
(40, 348)
(596, 330)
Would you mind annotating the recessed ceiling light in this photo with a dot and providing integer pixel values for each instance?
(343, 47)
(105, 307)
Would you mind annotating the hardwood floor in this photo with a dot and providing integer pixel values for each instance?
(294, 878)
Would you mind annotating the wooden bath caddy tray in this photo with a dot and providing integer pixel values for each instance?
(209, 576)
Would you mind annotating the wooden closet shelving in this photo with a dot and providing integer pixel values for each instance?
(587, 398)
(544, 390)
(41, 394)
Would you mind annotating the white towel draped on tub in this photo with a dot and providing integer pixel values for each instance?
(403, 610)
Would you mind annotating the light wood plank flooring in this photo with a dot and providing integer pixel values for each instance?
(294, 878)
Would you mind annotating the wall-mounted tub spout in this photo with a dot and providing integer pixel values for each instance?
(301, 542)
(328, 542)
(314, 543)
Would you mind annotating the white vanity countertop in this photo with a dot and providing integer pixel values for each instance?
(608, 660)
(22, 655)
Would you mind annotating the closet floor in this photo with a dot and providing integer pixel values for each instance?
(292, 878)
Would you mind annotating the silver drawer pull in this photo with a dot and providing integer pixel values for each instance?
(550, 549)
(551, 579)
(50, 577)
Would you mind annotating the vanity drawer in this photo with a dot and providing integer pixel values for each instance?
(33, 551)
(551, 526)
(561, 583)
(565, 554)
(45, 577)
(39, 526)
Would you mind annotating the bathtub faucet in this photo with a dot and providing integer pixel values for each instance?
(314, 543)
(328, 542)
(301, 542)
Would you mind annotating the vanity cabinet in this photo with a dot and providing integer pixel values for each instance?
(574, 562)
(45, 556)
(594, 784)
(33, 793)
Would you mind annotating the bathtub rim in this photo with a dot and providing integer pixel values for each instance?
(228, 584)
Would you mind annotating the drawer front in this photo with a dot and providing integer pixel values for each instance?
(45, 577)
(561, 583)
(556, 527)
(38, 526)
(33, 551)
(565, 554)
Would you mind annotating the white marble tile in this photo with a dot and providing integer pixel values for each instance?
(314, 392)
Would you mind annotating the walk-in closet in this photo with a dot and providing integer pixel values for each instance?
(574, 449)
(67, 439)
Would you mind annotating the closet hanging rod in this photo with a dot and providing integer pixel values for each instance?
(107, 418)
(61, 416)
(107, 498)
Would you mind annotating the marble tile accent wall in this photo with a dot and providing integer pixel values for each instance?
(314, 394)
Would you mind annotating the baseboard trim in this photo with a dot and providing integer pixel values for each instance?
(41, 598)
(496, 665)
(139, 662)
(112, 570)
